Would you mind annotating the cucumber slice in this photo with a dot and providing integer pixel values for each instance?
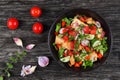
(65, 59)
(90, 36)
(96, 43)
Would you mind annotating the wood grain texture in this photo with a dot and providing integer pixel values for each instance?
(108, 9)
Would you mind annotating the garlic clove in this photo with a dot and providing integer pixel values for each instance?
(26, 70)
(18, 42)
(30, 46)
(43, 61)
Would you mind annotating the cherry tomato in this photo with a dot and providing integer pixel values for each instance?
(35, 11)
(12, 23)
(86, 30)
(37, 28)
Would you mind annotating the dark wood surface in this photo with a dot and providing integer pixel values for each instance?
(108, 9)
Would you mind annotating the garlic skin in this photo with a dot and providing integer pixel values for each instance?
(30, 46)
(18, 42)
(43, 61)
(26, 70)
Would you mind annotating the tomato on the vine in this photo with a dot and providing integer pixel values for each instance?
(12, 23)
(37, 28)
(35, 11)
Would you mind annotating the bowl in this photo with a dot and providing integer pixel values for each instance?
(71, 14)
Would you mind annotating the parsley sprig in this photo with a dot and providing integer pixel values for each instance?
(5, 72)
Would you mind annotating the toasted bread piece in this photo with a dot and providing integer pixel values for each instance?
(93, 56)
(66, 45)
(77, 22)
(58, 40)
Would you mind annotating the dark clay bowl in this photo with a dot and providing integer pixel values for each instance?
(71, 14)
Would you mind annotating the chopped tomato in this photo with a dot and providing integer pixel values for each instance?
(68, 27)
(87, 57)
(87, 48)
(70, 53)
(72, 33)
(65, 54)
(72, 45)
(77, 52)
(99, 55)
(80, 62)
(58, 45)
(82, 19)
(77, 64)
(93, 28)
(86, 30)
(65, 38)
(56, 33)
(63, 23)
(65, 30)
(93, 32)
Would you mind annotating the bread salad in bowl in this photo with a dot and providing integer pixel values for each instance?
(80, 41)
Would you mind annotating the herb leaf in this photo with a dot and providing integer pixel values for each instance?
(58, 26)
(9, 65)
(61, 50)
(1, 77)
(68, 21)
(87, 63)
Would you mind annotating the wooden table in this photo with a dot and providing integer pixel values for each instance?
(108, 9)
